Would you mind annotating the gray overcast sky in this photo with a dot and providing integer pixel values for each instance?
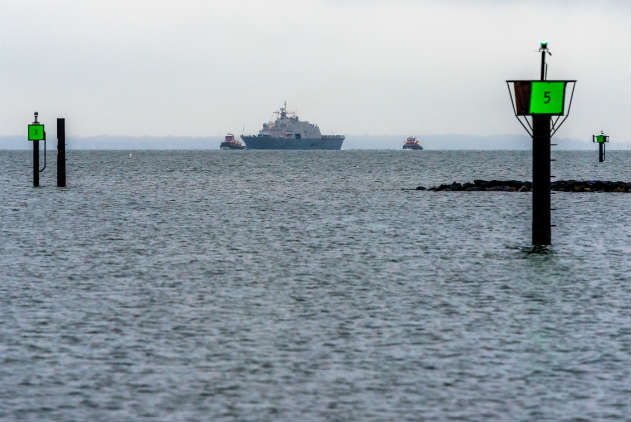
(192, 67)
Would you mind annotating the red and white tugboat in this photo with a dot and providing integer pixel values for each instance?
(230, 142)
(412, 143)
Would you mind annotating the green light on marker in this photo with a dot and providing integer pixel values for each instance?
(35, 132)
(600, 139)
(544, 44)
(547, 97)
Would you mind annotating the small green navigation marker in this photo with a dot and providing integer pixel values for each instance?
(600, 139)
(35, 132)
(547, 97)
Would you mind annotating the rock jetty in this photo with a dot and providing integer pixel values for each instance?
(518, 186)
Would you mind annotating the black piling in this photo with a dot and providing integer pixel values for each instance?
(35, 164)
(61, 152)
(541, 229)
(601, 152)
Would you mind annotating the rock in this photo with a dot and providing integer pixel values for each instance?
(526, 186)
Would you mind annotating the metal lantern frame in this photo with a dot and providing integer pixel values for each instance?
(555, 123)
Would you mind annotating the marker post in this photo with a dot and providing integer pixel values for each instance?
(601, 139)
(541, 231)
(36, 133)
(541, 100)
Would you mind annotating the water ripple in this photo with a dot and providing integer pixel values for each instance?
(309, 286)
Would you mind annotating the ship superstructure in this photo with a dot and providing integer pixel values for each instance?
(287, 131)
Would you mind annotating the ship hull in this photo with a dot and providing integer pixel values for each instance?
(417, 147)
(227, 145)
(333, 142)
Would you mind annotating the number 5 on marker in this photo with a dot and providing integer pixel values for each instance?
(547, 97)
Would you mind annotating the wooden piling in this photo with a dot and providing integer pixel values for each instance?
(35, 164)
(541, 231)
(61, 152)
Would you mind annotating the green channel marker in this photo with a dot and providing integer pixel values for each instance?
(547, 97)
(35, 132)
(600, 139)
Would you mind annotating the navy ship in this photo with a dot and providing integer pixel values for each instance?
(289, 132)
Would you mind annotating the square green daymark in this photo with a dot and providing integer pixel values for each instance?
(600, 139)
(35, 132)
(547, 97)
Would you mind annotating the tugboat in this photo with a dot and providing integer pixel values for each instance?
(289, 132)
(230, 142)
(412, 143)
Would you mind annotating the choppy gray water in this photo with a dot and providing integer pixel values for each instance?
(255, 285)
